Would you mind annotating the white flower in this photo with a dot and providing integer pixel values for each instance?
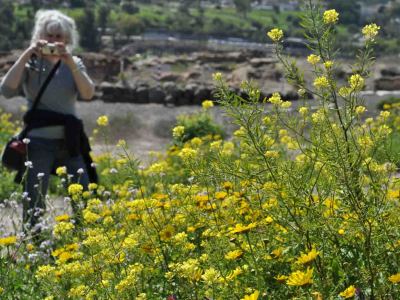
(93, 165)
(113, 171)
(28, 164)
(40, 175)
(26, 141)
(80, 171)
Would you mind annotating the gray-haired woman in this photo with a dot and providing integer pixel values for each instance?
(55, 133)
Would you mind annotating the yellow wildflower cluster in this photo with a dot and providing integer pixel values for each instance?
(75, 189)
(349, 292)
(178, 131)
(370, 31)
(229, 219)
(321, 82)
(60, 171)
(207, 104)
(275, 34)
(275, 99)
(299, 278)
(102, 121)
(8, 241)
(356, 82)
(313, 59)
(331, 16)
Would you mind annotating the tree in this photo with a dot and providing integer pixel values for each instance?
(242, 6)
(89, 35)
(102, 17)
(129, 25)
(349, 10)
(6, 25)
(129, 7)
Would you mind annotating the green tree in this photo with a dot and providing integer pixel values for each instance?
(90, 38)
(349, 10)
(103, 14)
(129, 25)
(6, 25)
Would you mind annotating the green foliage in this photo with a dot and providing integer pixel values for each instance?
(199, 125)
(388, 103)
(89, 36)
(7, 130)
(129, 25)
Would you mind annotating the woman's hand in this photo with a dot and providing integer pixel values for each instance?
(64, 54)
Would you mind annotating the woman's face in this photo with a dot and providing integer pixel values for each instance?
(54, 37)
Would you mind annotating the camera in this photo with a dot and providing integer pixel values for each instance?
(50, 49)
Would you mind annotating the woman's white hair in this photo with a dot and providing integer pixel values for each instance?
(55, 22)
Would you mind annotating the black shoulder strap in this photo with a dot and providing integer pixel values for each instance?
(44, 85)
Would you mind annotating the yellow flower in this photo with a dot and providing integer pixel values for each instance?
(210, 276)
(395, 278)
(90, 217)
(78, 291)
(344, 91)
(286, 104)
(306, 258)
(206, 104)
(253, 296)
(349, 292)
(167, 233)
(356, 82)
(92, 186)
(62, 228)
(331, 16)
(102, 121)
(341, 231)
(299, 278)
(62, 218)
(370, 31)
(61, 171)
(275, 99)
(321, 82)
(235, 254)
(8, 241)
(45, 271)
(303, 110)
(235, 273)
(328, 64)
(178, 131)
(228, 185)
(75, 189)
(30, 247)
(360, 110)
(217, 76)
(121, 143)
(313, 59)
(220, 195)
(187, 153)
(271, 154)
(275, 34)
(240, 228)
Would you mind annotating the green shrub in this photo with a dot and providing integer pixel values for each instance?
(199, 125)
(388, 103)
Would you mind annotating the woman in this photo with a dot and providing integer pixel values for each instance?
(55, 135)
